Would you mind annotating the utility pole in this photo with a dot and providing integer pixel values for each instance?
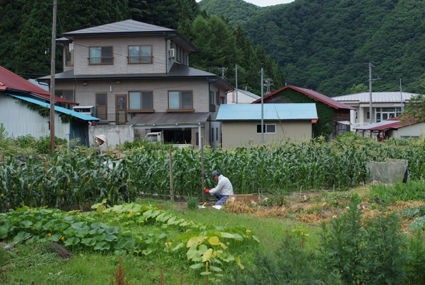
(236, 82)
(268, 85)
(370, 92)
(401, 98)
(262, 106)
(52, 79)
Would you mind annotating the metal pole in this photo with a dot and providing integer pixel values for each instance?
(401, 98)
(170, 164)
(262, 106)
(236, 82)
(370, 93)
(52, 79)
(201, 149)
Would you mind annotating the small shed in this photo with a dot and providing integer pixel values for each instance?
(254, 124)
(334, 116)
(393, 128)
(24, 110)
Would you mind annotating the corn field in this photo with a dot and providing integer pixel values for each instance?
(79, 177)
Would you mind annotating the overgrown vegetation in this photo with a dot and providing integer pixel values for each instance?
(79, 177)
(376, 240)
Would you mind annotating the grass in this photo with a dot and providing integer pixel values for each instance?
(38, 264)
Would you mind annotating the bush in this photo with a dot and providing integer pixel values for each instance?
(292, 264)
(192, 203)
(364, 253)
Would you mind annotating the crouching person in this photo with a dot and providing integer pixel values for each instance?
(223, 189)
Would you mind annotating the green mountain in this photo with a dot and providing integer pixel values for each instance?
(326, 45)
(236, 12)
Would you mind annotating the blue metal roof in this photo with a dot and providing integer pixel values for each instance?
(248, 112)
(57, 108)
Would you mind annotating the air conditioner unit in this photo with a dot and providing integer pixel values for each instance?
(172, 52)
(88, 110)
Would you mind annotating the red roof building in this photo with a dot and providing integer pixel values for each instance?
(334, 117)
(13, 83)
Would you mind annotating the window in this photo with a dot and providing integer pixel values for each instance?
(180, 100)
(140, 54)
(387, 113)
(268, 128)
(140, 100)
(67, 94)
(69, 54)
(101, 55)
(101, 106)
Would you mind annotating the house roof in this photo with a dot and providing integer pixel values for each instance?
(177, 71)
(386, 125)
(247, 93)
(59, 109)
(128, 27)
(377, 97)
(252, 112)
(12, 82)
(312, 94)
(161, 119)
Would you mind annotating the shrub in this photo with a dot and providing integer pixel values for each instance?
(364, 253)
(192, 203)
(291, 264)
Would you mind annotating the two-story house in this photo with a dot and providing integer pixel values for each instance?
(136, 78)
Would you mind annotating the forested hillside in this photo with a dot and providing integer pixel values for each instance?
(25, 31)
(326, 45)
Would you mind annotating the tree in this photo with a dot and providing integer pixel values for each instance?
(415, 109)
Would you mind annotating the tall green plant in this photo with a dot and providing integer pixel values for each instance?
(364, 253)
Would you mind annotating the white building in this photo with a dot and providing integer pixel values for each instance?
(239, 96)
(385, 105)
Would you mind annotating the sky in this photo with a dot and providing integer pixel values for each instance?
(264, 3)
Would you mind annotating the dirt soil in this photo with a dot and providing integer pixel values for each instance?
(318, 207)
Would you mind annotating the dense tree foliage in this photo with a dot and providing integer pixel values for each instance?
(326, 45)
(26, 30)
(236, 12)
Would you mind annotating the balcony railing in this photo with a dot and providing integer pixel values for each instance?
(101, 60)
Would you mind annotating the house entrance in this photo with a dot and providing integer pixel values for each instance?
(176, 136)
(121, 109)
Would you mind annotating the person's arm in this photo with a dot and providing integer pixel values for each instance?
(218, 188)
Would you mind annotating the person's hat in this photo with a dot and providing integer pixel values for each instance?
(215, 173)
(101, 137)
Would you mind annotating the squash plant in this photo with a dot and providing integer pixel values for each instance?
(129, 228)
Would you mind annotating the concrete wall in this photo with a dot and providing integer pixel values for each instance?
(115, 134)
(120, 53)
(236, 134)
(19, 120)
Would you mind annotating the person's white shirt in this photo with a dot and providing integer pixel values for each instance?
(224, 186)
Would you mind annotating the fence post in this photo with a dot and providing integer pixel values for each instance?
(170, 163)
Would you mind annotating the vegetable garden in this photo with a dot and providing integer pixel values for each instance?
(93, 204)
(78, 178)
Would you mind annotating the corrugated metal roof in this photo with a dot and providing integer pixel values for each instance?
(72, 113)
(377, 97)
(386, 125)
(312, 94)
(13, 82)
(247, 112)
